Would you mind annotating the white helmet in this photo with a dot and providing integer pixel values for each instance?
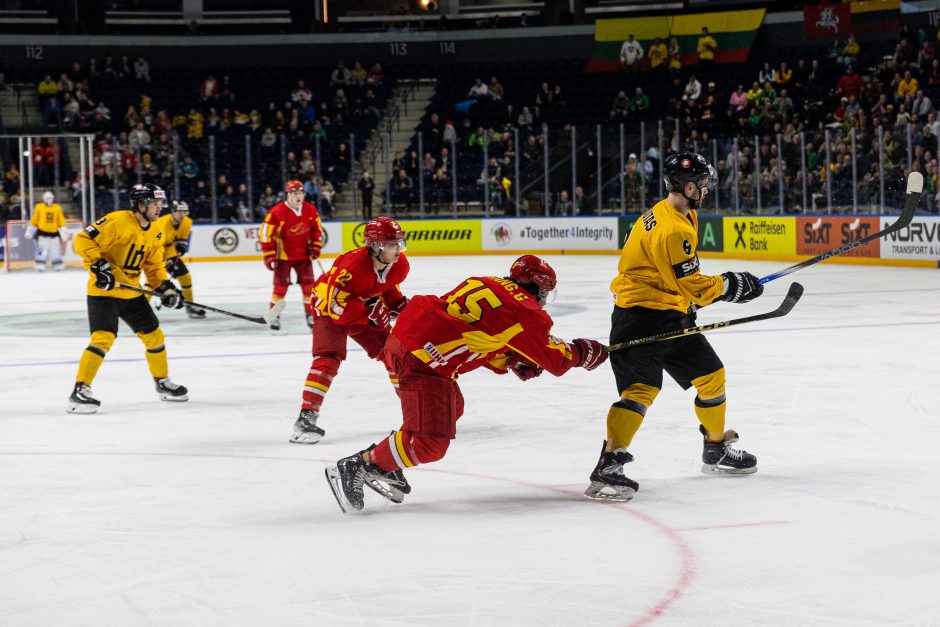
(48, 198)
(179, 205)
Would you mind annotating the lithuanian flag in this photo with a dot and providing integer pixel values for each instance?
(875, 16)
(733, 30)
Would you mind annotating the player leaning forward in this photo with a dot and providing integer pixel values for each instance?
(497, 323)
(115, 249)
(657, 284)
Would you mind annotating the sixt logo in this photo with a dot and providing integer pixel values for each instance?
(820, 231)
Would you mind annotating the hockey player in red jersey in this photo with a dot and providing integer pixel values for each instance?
(358, 298)
(497, 323)
(290, 238)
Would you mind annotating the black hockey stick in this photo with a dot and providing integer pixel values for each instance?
(915, 190)
(269, 315)
(793, 295)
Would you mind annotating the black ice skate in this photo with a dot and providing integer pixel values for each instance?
(346, 479)
(170, 391)
(195, 312)
(720, 458)
(81, 401)
(608, 483)
(392, 484)
(310, 321)
(306, 430)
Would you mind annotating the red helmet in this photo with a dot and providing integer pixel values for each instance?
(383, 230)
(531, 269)
(294, 186)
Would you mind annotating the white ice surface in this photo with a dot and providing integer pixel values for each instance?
(201, 513)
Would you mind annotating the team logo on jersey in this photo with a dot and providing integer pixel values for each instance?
(686, 163)
(686, 247)
(686, 268)
(225, 240)
(502, 234)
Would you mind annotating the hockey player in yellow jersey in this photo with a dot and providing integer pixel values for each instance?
(175, 226)
(657, 289)
(116, 249)
(47, 226)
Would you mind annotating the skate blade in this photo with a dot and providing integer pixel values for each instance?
(174, 399)
(305, 438)
(604, 492)
(714, 469)
(333, 478)
(391, 492)
(81, 408)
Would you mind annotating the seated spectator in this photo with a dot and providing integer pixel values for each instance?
(358, 75)
(784, 74)
(640, 103)
(142, 70)
(738, 100)
(621, 107)
(340, 76)
(692, 91)
(376, 75)
(525, 119)
(52, 111)
(209, 89)
(478, 90)
(301, 93)
(755, 94)
(226, 89)
(849, 53)
(907, 86)
(849, 84)
(65, 85)
(495, 89)
(767, 74)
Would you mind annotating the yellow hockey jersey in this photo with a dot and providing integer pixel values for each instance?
(173, 233)
(659, 268)
(127, 246)
(48, 219)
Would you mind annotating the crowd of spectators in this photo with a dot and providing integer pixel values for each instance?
(160, 135)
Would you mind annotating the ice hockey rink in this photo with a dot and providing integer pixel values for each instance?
(201, 513)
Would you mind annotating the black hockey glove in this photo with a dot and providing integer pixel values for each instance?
(170, 296)
(175, 267)
(741, 287)
(181, 247)
(104, 277)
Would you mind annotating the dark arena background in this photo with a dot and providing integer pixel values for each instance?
(488, 129)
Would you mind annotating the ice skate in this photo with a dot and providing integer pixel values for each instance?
(195, 312)
(306, 430)
(346, 479)
(275, 325)
(392, 485)
(310, 321)
(170, 391)
(608, 483)
(81, 401)
(721, 458)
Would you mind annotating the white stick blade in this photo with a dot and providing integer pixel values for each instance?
(915, 183)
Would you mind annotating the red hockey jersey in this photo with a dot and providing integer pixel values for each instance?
(289, 234)
(353, 279)
(481, 322)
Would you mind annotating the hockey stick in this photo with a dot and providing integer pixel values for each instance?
(915, 190)
(793, 295)
(269, 315)
(322, 269)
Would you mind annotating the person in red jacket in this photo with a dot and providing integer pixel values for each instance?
(291, 237)
(358, 298)
(496, 323)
